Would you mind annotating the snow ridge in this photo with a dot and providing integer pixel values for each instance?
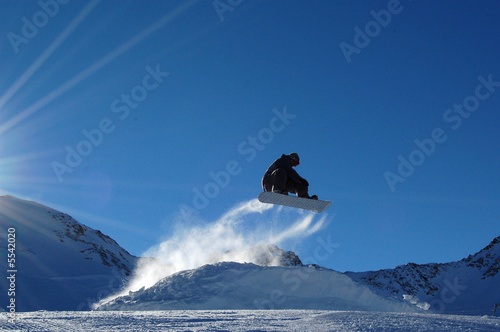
(61, 263)
(262, 254)
(486, 260)
(467, 286)
(97, 244)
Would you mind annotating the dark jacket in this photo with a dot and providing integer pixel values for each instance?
(284, 163)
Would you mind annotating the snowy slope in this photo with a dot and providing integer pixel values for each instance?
(230, 285)
(469, 286)
(64, 265)
(61, 264)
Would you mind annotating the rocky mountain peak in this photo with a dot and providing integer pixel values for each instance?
(487, 260)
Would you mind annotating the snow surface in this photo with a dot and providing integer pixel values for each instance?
(244, 320)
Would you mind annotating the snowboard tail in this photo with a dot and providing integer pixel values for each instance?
(294, 201)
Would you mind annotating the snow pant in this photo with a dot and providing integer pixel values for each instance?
(279, 180)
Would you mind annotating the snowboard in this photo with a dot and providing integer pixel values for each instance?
(294, 201)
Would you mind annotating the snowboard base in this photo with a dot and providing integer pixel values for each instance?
(294, 201)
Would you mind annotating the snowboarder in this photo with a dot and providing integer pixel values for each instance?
(281, 178)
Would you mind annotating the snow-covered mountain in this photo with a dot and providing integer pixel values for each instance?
(60, 264)
(64, 265)
(468, 286)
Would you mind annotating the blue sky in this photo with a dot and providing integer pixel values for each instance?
(155, 97)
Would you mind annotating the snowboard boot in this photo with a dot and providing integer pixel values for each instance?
(282, 192)
(315, 197)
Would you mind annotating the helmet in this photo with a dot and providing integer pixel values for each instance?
(295, 157)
